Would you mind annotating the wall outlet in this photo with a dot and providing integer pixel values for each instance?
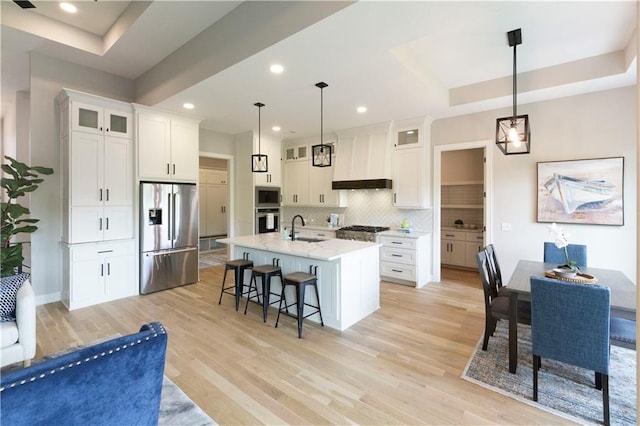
(506, 227)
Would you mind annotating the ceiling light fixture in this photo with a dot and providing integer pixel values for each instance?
(361, 109)
(513, 134)
(321, 154)
(188, 105)
(68, 7)
(276, 68)
(276, 128)
(259, 162)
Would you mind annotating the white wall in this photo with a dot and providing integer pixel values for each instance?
(48, 77)
(595, 125)
(216, 143)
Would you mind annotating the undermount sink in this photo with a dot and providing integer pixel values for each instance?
(309, 240)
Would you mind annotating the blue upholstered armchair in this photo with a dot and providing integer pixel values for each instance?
(576, 252)
(570, 324)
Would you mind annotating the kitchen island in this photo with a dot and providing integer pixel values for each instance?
(348, 272)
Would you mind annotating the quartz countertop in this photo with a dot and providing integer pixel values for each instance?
(412, 234)
(330, 249)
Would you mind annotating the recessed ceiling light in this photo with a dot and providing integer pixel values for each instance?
(409, 132)
(276, 68)
(68, 7)
(188, 105)
(361, 109)
(276, 128)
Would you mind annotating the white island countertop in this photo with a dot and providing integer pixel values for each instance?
(329, 249)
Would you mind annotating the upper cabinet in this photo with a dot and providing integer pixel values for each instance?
(411, 164)
(297, 152)
(97, 168)
(99, 120)
(270, 147)
(168, 146)
(363, 153)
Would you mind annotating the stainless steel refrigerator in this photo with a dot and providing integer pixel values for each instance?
(168, 235)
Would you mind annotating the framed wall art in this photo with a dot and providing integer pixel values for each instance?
(581, 191)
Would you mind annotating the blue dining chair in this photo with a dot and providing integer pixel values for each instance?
(576, 252)
(570, 324)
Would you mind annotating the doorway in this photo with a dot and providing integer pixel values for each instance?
(463, 204)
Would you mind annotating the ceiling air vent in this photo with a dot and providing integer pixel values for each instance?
(25, 4)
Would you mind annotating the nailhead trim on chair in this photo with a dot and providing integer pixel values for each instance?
(102, 354)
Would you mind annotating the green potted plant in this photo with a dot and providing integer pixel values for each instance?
(18, 180)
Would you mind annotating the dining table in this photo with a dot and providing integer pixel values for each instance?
(623, 295)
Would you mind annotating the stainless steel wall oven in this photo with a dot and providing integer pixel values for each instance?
(267, 220)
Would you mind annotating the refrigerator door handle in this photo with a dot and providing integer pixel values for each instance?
(174, 211)
(169, 222)
(166, 252)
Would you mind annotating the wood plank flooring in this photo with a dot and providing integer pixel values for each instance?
(400, 365)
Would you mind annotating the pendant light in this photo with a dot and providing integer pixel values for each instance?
(259, 162)
(321, 154)
(513, 134)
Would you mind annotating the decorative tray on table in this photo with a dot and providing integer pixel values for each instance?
(578, 278)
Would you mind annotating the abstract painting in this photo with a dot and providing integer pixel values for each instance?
(581, 191)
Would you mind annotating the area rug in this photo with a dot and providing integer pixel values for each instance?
(213, 258)
(562, 389)
(177, 409)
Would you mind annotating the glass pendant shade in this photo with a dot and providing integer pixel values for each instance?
(513, 136)
(259, 161)
(321, 154)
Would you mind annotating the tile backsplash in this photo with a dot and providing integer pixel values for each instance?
(459, 201)
(366, 207)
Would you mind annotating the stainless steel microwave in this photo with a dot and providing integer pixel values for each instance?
(267, 196)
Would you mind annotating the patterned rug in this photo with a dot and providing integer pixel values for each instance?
(176, 408)
(213, 258)
(562, 389)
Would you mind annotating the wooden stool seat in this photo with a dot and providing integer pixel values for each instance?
(300, 280)
(264, 272)
(238, 266)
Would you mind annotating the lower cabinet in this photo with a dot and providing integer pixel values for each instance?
(98, 272)
(459, 248)
(405, 259)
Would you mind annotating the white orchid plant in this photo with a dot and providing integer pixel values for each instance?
(561, 240)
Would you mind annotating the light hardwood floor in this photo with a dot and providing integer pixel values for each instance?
(400, 365)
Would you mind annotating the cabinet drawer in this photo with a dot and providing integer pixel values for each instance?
(396, 270)
(475, 237)
(454, 235)
(392, 254)
(93, 251)
(406, 243)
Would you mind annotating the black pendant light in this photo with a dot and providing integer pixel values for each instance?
(259, 162)
(321, 154)
(513, 134)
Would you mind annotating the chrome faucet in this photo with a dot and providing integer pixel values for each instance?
(293, 226)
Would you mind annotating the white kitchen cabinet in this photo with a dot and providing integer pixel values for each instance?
(297, 153)
(320, 192)
(406, 258)
(407, 138)
(168, 147)
(410, 189)
(295, 191)
(214, 177)
(97, 171)
(98, 272)
(100, 120)
(273, 176)
(453, 248)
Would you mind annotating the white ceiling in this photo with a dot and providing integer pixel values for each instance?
(400, 59)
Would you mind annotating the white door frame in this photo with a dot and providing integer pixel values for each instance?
(230, 188)
(487, 145)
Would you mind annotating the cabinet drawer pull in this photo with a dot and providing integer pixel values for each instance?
(105, 251)
(107, 194)
(174, 168)
(102, 269)
(168, 170)
(396, 255)
(449, 235)
(397, 242)
(100, 224)
(108, 268)
(397, 270)
(107, 228)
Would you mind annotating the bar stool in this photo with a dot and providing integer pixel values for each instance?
(238, 266)
(264, 272)
(300, 280)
